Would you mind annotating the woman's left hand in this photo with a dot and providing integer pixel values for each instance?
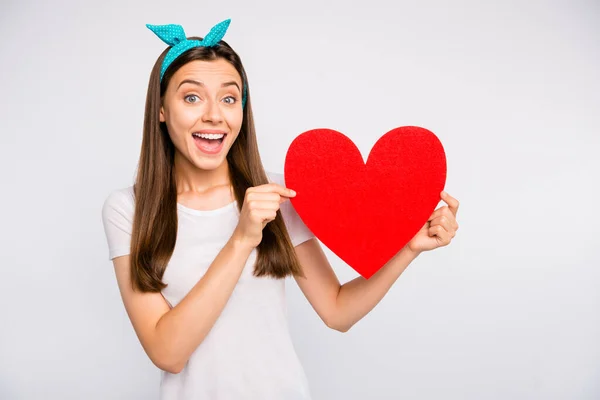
(439, 230)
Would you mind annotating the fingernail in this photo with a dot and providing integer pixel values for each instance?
(292, 192)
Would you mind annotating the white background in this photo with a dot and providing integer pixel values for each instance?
(510, 310)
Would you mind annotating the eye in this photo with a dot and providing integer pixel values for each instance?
(233, 99)
(191, 95)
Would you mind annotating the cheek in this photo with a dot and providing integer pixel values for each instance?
(188, 114)
(235, 118)
(182, 119)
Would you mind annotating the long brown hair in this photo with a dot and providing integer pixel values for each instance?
(154, 230)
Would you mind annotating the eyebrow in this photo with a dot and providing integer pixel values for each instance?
(225, 84)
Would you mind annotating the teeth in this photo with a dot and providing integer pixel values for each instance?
(209, 135)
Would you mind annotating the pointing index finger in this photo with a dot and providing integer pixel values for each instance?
(282, 190)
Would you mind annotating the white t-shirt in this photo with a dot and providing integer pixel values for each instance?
(248, 353)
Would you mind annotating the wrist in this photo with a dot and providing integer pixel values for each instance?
(240, 244)
(411, 252)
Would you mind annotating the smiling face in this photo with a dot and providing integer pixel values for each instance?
(203, 96)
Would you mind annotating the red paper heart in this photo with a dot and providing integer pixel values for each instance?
(366, 213)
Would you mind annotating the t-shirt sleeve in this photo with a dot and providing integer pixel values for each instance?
(297, 230)
(117, 218)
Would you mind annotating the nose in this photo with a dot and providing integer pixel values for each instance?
(212, 112)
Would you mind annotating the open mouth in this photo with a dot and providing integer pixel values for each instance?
(210, 142)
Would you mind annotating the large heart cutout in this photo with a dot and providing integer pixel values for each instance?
(366, 213)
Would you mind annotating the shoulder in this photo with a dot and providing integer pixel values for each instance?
(120, 200)
(297, 230)
(275, 177)
(279, 178)
(117, 218)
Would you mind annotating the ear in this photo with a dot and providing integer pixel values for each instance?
(162, 114)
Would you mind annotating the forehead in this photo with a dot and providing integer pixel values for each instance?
(216, 70)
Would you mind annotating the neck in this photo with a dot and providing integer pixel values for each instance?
(190, 178)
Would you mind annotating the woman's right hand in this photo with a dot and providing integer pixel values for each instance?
(259, 208)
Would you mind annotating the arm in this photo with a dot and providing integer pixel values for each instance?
(359, 296)
(341, 306)
(170, 336)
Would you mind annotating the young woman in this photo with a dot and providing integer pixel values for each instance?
(202, 240)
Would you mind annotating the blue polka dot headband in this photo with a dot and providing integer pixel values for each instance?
(174, 36)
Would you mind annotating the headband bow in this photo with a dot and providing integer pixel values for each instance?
(173, 35)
